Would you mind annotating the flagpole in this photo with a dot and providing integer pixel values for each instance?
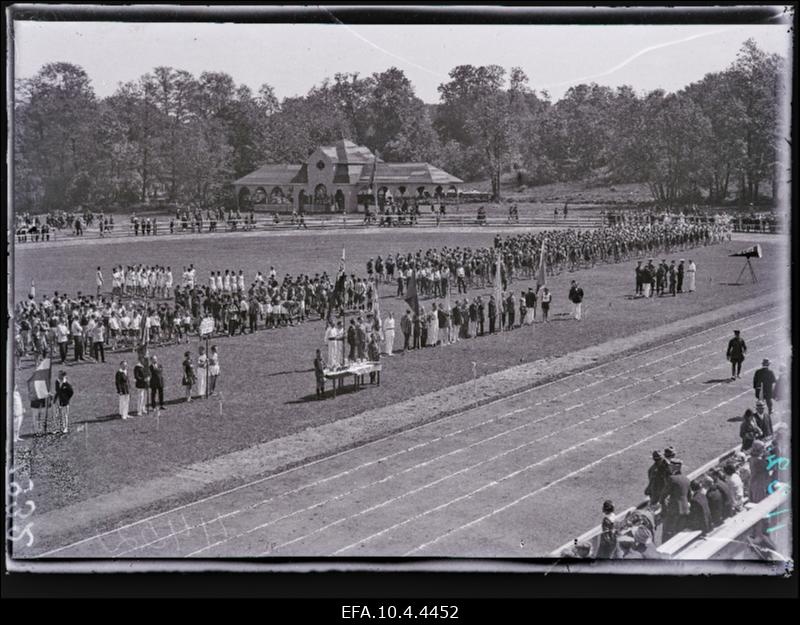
(47, 399)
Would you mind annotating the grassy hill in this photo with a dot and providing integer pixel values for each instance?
(591, 191)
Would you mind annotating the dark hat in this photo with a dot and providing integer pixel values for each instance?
(669, 452)
(737, 331)
(608, 506)
(765, 362)
(657, 455)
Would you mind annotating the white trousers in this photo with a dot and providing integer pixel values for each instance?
(647, 286)
(576, 310)
(124, 403)
(389, 338)
(141, 397)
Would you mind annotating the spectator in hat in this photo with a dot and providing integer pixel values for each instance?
(699, 513)
(656, 478)
(642, 547)
(721, 499)
(763, 419)
(735, 483)
(607, 548)
(675, 500)
(764, 384)
(750, 430)
(759, 476)
(737, 349)
(578, 550)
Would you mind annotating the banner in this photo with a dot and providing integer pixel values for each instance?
(498, 290)
(411, 298)
(541, 275)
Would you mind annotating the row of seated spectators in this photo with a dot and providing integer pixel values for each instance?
(677, 504)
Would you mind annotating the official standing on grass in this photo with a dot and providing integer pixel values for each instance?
(737, 349)
(576, 297)
(123, 389)
(189, 376)
(319, 374)
(63, 395)
(213, 369)
(141, 375)
(546, 298)
(156, 383)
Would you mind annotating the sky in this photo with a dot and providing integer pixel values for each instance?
(292, 58)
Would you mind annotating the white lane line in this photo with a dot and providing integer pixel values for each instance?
(526, 468)
(570, 475)
(460, 450)
(414, 467)
(441, 421)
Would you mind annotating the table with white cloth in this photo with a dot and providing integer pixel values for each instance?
(357, 369)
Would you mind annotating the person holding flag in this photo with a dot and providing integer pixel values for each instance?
(39, 393)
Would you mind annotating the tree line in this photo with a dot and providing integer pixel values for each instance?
(183, 139)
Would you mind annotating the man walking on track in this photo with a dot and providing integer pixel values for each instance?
(737, 348)
(764, 384)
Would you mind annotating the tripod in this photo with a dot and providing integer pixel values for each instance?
(752, 272)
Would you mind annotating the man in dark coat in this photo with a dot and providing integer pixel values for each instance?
(352, 340)
(764, 384)
(63, 395)
(319, 375)
(721, 499)
(672, 279)
(681, 270)
(492, 314)
(638, 272)
(699, 513)
(763, 419)
(123, 389)
(156, 383)
(657, 476)
(737, 349)
(675, 501)
(481, 315)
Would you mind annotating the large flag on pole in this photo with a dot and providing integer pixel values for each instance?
(39, 384)
(411, 298)
(541, 275)
(376, 307)
(498, 289)
(372, 179)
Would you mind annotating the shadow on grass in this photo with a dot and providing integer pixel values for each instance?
(347, 389)
(719, 381)
(735, 419)
(271, 375)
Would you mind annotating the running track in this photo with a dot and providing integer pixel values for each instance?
(514, 478)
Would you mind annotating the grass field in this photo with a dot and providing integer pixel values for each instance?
(267, 383)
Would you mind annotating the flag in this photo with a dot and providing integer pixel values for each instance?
(39, 384)
(541, 275)
(372, 179)
(411, 297)
(376, 307)
(498, 290)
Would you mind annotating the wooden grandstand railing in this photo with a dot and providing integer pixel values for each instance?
(593, 535)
